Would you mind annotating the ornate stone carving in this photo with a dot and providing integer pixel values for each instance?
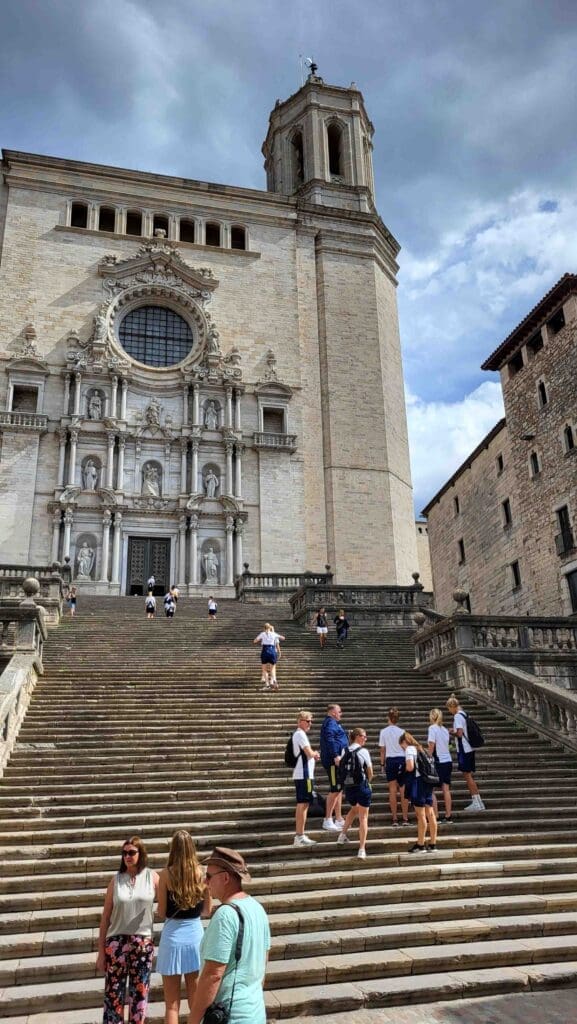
(90, 475)
(69, 494)
(211, 483)
(85, 561)
(211, 565)
(95, 406)
(151, 481)
(29, 349)
(211, 416)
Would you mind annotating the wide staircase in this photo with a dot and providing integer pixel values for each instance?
(142, 727)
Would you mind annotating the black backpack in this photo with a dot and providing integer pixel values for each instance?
(289, 755)
(474, 734)
(351, 768)
(427, 769)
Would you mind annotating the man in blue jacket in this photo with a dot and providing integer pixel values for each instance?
(334, 742)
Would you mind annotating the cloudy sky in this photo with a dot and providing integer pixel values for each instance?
(474, 108)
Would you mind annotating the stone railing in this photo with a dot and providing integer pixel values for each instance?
(23, 420)
(22, 635)
(276, 587)
(372, 605)
(266, 439)
(52, 579)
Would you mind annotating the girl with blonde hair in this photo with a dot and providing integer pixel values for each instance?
(439, 739)
(182, 898)
(420, 794)
(269, 654)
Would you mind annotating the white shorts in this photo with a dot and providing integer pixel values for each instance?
(322, 629)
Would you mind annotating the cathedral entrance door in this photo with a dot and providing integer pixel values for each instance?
(148, 556)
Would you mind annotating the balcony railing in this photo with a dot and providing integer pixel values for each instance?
(279, 442)
(565, 543)
(23, 420)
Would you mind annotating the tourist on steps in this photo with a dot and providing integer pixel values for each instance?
(278, 639)
(465, 753)
(151, 583)
(183, 897)
(212, 609)
(303, 775)
(439, 740)
(175, 593)
(342, 625)
(333, 743)
(235, 946)
(358, 790)
(150, 605)
(420, 793)
(393, 766)
(322, 626)
(268, 639)
(125, 946)
(169, 605)
(72, 599)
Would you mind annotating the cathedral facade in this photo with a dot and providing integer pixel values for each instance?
(194, 377)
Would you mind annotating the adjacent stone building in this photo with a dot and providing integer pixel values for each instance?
(503, 528)
(194, 376)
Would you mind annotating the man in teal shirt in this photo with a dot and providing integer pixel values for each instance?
(222, 979)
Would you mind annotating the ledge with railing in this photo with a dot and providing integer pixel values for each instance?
(23, 420)
(386, 605)
(279, 442)
(276, 586)
(52, 580)
(22, 636)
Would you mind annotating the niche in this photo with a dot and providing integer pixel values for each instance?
(210, 562)
(91, 473)
(211, 480)
(151, 485)
(85, 560)
(95, 404)
(211, 414)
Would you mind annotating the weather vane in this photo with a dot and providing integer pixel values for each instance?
(309, 63)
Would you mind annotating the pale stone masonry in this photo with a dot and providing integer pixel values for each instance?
(269, 428)
(503, 528)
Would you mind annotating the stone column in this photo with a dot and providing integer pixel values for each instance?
(229, 406)
(238, 470)
(239, 530)
(61, 456)
(137, 454)
(195, 405)
(124, 386)
(120, 222)
(229, 445)
(185, 391)
(194, 481)
(193, 550)
(66, 402)
(68, 521)
(121, 447)
(229, 551)
(72, 463)
(114, 396)
(110, 458)
(181, 551)
(77, 382)
(106, 521)
(56, 520)
(116, 547)
(183, 467)
(92, 219)
(237, 422)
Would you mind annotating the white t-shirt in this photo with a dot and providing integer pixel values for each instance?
(362, 754)
(389, 739)
(212, 605)
(268, 638)
(301, 740)
(440, 737)
(150, 602)
(460, 722)
(411, 754)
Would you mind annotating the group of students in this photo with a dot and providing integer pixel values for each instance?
(223, 965)
(413, 773)
(342, 626)
(170, 600)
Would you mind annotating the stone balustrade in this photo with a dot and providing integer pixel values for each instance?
(280, 442)
(23, 420)
(22, 635)
(276, 587)
(52, 580)
(371, 605)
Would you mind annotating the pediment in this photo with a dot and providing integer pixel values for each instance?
(270, 387)
(154, 262)
(27, 364)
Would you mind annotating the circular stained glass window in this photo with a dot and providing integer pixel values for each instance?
(155, 335)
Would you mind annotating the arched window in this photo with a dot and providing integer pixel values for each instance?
(334, 136)
(568, 438)
(160, 223)
(134, 222)
(237, 238)
(79, 215)
(297, 160)
(106, 218)
(212, 234)
(155, 335)
(187, 231)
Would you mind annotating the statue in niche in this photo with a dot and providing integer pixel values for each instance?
(210, 561)
(151, 481)
(95, 407)
(211, 483)
(211, 416)
(90, 475)
(152, 414)
(213, 341)
(100, 330)
(85, 561)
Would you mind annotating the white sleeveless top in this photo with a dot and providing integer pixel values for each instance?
(133, 905)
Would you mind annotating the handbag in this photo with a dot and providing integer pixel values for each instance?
(218, 1013)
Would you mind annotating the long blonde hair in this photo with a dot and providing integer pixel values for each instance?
(184, 873)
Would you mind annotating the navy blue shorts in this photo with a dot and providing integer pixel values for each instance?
(422, 794)
(466, 762)
(334, 785)
(212, 611)
(268, 655)
(395, 769)
(304, 791)
(359, 795)
(444, 771)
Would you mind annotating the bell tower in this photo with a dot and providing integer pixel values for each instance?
(319, 144)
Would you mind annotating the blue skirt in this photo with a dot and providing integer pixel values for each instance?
(178, 952)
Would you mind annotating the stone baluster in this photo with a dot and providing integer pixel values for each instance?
(123, 397)
(72, 462)
(56, 520)
(194, 482)
(183, 466)
(61, 456)
(229, 550)
(68, 521)
(185, 391)
(116, 547)
(181, 551)
(77, 383)
(237, 409)
(121, 448)
(196, 405)
(239, 531)
(229, 406)
(114, 396)
(193, 550)
(106, 521)
(238, 470)
(228, 446)
(110, 458)
(66, 402)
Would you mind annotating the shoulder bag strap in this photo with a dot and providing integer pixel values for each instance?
(237, 949)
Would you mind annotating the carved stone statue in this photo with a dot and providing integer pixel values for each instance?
(151, 481)
(211, 416)
(213, 341)
(152, 414)
(211, 483)
(210, 560)
(85, 561)
(95, 407)
(90, 475)
(100, 330)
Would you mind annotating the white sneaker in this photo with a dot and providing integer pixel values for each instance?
(475, 805)
(265, 688)
(303, 841)
(340, 822)
(362, 854)
(480, 804)
(330, 826)
(343, 838)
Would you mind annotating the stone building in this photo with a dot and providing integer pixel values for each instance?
(195, 375)
(503, 528)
